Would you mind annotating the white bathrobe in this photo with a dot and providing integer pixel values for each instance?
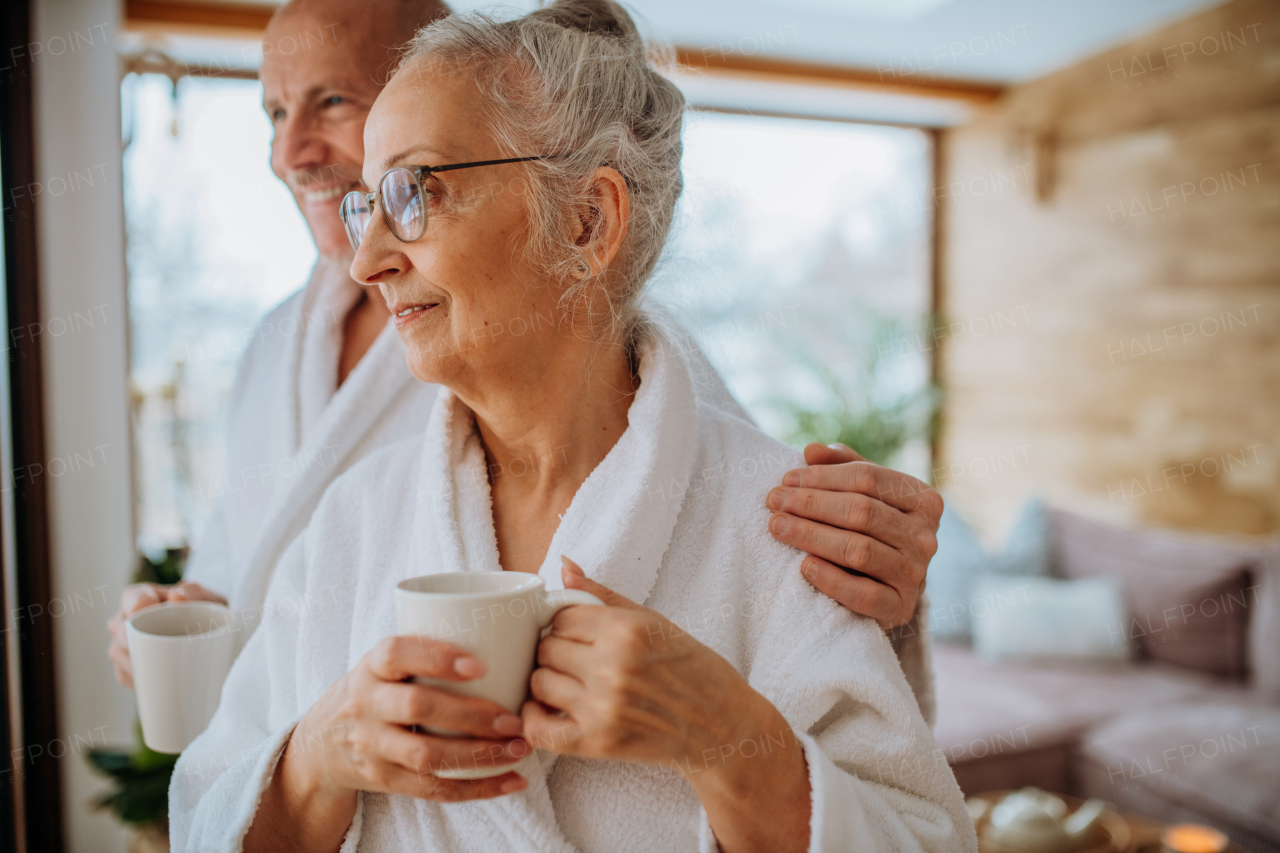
(673, 517)
(291, 430)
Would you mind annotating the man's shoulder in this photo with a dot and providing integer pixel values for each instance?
(266, 338)
(291, 305)
(279, 325)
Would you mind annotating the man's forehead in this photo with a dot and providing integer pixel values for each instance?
(362, 35)
(316, 64)
(302, 23)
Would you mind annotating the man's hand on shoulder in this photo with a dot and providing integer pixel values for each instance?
(869, 531)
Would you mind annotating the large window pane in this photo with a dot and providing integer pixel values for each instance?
(214, 241)
(801, 256)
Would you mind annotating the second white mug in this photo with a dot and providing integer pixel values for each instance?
(496, 616)
(181, 654)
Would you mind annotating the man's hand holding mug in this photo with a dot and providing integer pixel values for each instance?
(135, 598)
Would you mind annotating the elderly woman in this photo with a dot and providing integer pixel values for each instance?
(687, 713)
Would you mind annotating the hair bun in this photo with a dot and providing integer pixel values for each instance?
(597, 17)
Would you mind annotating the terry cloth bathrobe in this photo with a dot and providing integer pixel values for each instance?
(673, 517)
(291, 430)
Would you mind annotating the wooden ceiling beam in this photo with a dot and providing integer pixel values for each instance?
(714, 62)
(243, 19)
(250, 19)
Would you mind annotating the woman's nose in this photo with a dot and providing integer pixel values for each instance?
(379, 256)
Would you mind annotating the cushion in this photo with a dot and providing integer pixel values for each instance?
(994, 712)
(1188, 599)
(1030, 618)
(1026, 549)
(1264, 628)
(961, 559)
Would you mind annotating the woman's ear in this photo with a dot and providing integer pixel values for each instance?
(588, 221)
(604, 223)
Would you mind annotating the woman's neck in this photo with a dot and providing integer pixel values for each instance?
(544, 434)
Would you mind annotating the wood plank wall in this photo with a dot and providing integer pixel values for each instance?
(1112, 285)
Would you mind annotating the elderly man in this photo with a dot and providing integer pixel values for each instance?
(325, 382)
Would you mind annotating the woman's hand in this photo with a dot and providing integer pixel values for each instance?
(623, 682)
(133, 599)
(358, 737)
(635, 687)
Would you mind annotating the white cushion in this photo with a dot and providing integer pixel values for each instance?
(1032, 618)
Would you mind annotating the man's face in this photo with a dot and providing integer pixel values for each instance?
(319, 81)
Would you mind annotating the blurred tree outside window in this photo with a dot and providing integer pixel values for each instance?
(801, 256)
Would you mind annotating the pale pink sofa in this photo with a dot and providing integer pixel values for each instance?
(1155, 738)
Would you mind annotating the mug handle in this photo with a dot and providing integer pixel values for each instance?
(558, 599)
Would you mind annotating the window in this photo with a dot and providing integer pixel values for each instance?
(800, 257)
(214, 241)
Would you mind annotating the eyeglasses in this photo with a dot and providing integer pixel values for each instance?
(403, 200)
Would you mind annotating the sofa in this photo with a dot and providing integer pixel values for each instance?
(1185, 729)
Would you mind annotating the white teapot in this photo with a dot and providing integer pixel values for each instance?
(1032, 821)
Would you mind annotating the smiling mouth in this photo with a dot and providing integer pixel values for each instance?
(327, 194)
(411, 313)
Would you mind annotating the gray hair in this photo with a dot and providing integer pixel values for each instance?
(573, 79)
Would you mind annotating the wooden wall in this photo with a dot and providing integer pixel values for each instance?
(1111, 285)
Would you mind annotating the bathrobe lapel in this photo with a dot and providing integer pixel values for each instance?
(454, 531)
(618, 526)
(381, 376)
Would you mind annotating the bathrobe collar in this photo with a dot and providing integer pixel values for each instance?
(354, 410)
(620, 523)
(327, 300)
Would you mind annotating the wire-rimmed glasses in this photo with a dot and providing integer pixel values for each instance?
(403, 200)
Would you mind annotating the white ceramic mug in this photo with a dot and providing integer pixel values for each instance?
(496, 616)
(181, 653)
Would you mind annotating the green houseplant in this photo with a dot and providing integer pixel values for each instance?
(863, 400)
(142, 778)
